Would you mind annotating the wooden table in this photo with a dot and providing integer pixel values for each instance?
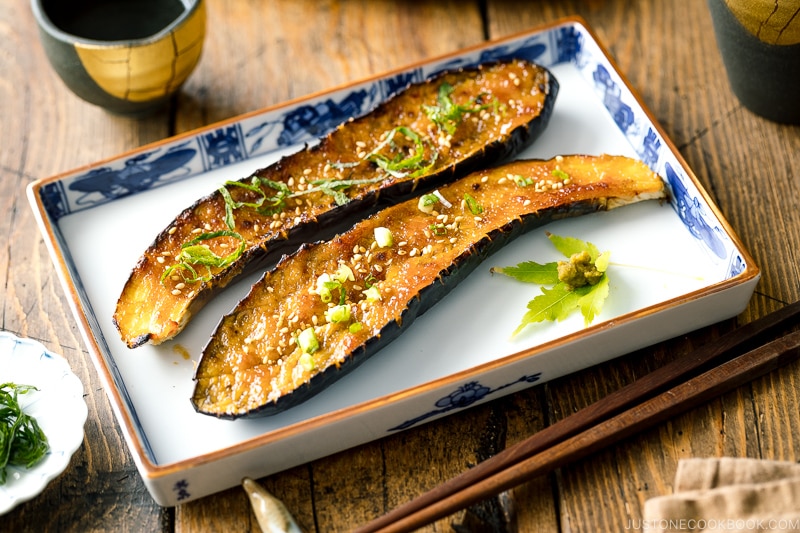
(259, 53)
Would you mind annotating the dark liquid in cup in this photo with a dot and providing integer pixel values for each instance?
(113, 20)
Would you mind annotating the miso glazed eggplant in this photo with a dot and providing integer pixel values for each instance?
(323, 310)
(421, 138)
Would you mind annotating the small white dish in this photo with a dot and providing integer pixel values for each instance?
(58, 406)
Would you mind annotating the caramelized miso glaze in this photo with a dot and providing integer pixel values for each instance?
(330, 305)
(421, 138)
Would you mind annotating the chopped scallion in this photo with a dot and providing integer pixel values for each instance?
(307, 341)
(384, 237)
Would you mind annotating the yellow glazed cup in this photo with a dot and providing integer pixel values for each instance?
(127, 56)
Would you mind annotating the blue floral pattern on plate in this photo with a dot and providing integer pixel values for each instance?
(463, 397)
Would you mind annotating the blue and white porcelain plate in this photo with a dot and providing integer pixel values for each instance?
(676, 267)
(58, 406)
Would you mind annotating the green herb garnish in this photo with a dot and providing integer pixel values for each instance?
(196, 253)
(521, 181)
(446, 114)
(308, 343)
(472, 204)
(438, 229)
(560, 174)
(22, 441)
(266, 205)
(336, 188)
(401, 166)
(426, 202)
(402, 163)
(579, 283)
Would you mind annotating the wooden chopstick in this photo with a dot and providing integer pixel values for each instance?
(556, 444)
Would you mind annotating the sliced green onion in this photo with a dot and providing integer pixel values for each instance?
(307, 341)
(560, 174)
(384, 237)
(522, 181)
(323, 288)
(338, 314)
(372, 294)
(438, 229)
(472, 204)
(307, 361)
(345, 273)
(426, 202)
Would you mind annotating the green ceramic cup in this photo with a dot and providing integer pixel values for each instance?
(127, 56)
(760, 45)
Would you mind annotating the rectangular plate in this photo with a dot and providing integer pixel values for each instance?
(675, 267)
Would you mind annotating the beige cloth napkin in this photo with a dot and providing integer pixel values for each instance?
(728, 495)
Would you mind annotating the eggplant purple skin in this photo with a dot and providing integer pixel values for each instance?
(340, 218)
(446, 281)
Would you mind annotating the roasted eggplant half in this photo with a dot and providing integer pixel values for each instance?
(326, 308)
(423, 137)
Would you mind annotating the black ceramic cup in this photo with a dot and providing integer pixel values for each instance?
(760, 45)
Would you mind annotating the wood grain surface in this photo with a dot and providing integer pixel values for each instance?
(263, 52)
